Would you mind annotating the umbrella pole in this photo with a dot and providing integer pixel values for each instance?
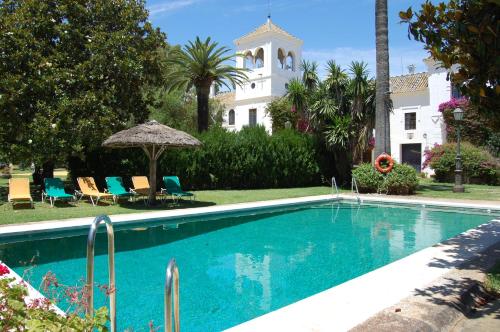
(153, 152)
(152, 177)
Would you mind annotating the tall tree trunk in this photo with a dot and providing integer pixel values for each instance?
(202, 96)
(47, 172)
(382, 109)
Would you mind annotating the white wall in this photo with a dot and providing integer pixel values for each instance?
(241, 118)
(269, 81)
(430, 128)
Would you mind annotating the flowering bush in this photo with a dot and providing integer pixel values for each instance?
(18, 313)
(474, 128)
(478, 165)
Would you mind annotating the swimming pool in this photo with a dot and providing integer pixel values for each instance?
(238, 267)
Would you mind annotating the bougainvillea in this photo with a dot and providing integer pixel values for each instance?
(4, 270)
(473, 127)
(430, 154)
(478, 166)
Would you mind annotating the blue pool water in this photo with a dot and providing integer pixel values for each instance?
(235, 268)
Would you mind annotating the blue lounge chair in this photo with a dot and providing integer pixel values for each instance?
(116, 188)
(173, 188)
(54, 190)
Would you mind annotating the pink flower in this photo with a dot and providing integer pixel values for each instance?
(4, 270)
(453, 103)
(294, 110)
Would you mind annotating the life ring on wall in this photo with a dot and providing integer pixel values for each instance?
(388, 159)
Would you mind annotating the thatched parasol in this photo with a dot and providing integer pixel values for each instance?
(153, 138)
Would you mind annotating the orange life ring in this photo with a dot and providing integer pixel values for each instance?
(387, 158)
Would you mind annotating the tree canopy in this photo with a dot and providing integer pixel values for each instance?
(200, 64)
(72, 73)
(464, 33)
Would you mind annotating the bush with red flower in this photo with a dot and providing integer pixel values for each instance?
(19, 312)
(478, 166)
(474, 128)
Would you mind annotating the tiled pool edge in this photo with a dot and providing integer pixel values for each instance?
(122, 219)
(345, 306)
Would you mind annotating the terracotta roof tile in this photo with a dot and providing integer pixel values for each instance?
(409, 83)
(269, 26)
(226, 98)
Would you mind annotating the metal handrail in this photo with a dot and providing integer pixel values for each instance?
(354, 185)
(172, 277)
(334, 183)
(111, 262)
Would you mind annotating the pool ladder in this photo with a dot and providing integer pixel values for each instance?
(354, 185)
(334, 185)
(171, 280)
(111, 265)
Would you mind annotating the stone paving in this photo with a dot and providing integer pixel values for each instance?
(455, 302)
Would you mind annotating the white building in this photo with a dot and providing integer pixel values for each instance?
(416, 123)
(272, 56)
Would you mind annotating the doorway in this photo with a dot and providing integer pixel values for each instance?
(411, 154)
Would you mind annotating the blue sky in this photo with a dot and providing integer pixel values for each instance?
(342, 30)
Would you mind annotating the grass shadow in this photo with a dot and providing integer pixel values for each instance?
(166, 205)
(22, 206)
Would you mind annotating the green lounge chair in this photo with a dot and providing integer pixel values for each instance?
(173, 188)
(116, 188)
(54, 190)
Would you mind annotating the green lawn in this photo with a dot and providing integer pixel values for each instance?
(428, 188)
(492, 282)
(43, 211)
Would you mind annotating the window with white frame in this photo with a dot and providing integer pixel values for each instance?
(410, 121)
(252, 117)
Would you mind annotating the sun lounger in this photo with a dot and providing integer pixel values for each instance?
(54, 190)
(19, 191)
(116, 188)
(141, 187)
(173, 188)
(88, 188)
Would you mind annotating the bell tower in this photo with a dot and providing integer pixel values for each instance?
(272, 57)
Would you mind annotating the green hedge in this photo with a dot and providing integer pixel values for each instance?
(227, 160)
(478, 166)
(402, 180)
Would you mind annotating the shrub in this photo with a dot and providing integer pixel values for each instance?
(280, 110)
(367, 178)
(18, 312)
(247, 159)
(402, 180)
(478, 165)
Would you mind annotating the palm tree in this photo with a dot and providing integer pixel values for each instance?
(366, 123)
(382, 100)
(201, 64)
(337, 82)
(309, 74)
(296, 93)
(358, 87)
